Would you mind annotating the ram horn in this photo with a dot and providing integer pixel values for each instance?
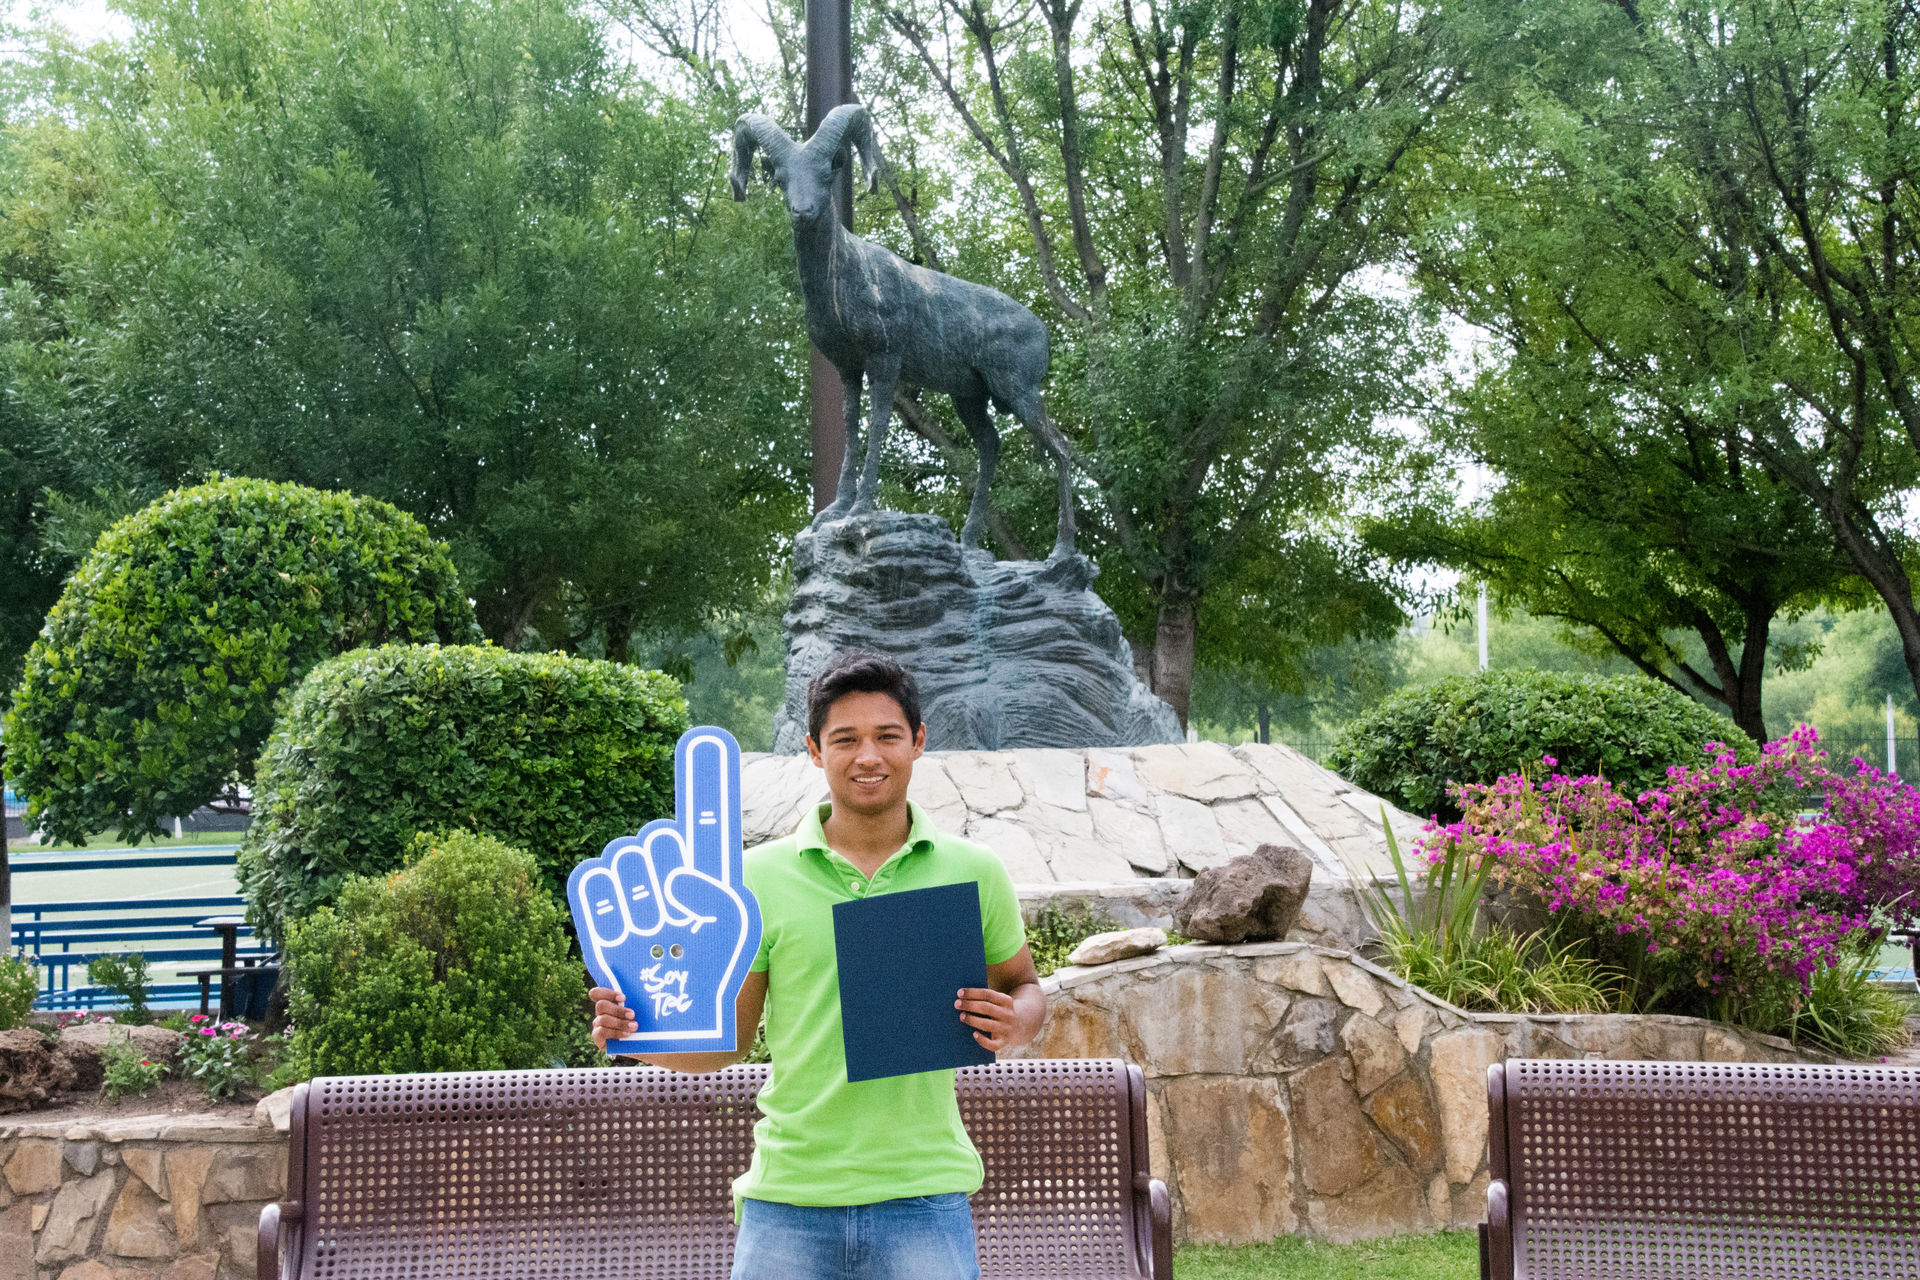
(750, 131)
(848, 123)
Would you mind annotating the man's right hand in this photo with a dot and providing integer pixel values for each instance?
(612, 1020)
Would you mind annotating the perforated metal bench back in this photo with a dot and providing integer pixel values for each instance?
(627, 1173)
(1667, 1170)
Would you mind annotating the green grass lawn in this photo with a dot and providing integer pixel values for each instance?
(1452, 1255)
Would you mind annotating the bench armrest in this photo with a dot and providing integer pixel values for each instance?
(1496, 1235)
(267, 1256)
(271, 1260)
(1152, 1227)
(1160, 1206)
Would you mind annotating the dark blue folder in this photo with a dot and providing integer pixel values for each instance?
(902, 957)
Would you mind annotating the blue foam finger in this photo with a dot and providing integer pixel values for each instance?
(664, 916)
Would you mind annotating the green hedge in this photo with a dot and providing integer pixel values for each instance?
(554, 755)
(458, 962)
(1476, 728)
(153, 682)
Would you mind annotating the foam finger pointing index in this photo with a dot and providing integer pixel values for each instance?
(709, 773)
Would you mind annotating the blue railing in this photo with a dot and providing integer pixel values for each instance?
(64, 935)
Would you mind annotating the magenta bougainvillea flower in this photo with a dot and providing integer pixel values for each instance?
(1742, 872)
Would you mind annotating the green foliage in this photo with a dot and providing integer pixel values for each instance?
(1843, 1011)
(153, 684)
(125, 976)
(1434, 939)
(1055, 932)
(455, 255)
(1501, 971)
(19, 984)
(555, 755)
(1476, 728)
(456, 962)
(1684, 221)
(128, 1070)
(217, 1056)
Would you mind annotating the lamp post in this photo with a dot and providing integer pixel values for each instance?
(829, 83)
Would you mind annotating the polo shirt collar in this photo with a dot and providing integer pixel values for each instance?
(812, 831)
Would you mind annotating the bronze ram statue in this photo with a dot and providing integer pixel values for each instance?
(873, 314)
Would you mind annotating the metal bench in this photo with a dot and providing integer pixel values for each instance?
(626, 1172)
(1691, 1170)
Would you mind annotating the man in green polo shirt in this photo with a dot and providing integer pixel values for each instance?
(864, 1181)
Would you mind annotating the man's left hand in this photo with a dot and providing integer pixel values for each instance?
(992, 1015)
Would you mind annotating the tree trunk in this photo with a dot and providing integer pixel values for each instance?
(1736, 685)
(1266, 722)
(1173, 640)
(1744, 702)
(1883, 572)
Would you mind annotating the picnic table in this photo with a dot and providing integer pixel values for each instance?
(235, 971)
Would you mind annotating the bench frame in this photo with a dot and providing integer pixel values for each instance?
(1146, 1204)
(1684, 1169)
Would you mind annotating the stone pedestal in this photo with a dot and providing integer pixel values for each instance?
(1007, 654)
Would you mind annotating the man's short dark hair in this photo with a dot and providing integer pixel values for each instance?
(861, 671)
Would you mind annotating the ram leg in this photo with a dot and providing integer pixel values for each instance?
(843, 490)
(883, 374)
(974, 413)
(1033, 415)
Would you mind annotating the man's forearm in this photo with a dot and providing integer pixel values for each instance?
(1029, 1010)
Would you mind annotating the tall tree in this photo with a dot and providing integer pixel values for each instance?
(1191, 197)
(443, 252)
(1718, 201)
(1638, 532)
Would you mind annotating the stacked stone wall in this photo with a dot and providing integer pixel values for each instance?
(140, 1198)
(1300, 1090)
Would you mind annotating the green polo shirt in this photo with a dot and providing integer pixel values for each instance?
(821, 1140)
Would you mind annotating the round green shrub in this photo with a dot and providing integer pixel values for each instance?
(153, 682)
(1476, 728)
(456, 962)
(555, 755)
(19, 985)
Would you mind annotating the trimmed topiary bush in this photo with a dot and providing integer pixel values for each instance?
(1473, 729)
(152, 685)
(555, 755)
(457, 962)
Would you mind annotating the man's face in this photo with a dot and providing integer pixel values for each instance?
(867, 753)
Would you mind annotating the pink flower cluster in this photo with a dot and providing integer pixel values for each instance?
(203, 1025)
(1741, 873)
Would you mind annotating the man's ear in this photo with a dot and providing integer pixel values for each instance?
(813, 751)
(920, 740)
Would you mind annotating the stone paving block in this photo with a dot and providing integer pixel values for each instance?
(1459, 1064)
(34, 1166)
(1232, 1158)
(1338, 1150)
(68, 1231)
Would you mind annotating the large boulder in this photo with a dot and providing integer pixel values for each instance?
(30, 1071)
(1256, 897)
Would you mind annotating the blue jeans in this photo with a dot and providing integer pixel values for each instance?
(916, 1238)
